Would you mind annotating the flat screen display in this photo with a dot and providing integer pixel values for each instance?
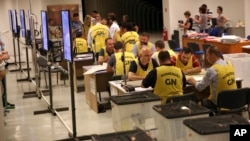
(66, 30)
(23, 23)
(10, 20)
(45, 38)
(14, 21)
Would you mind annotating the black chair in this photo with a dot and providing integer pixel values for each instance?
(173, 45)
(196, 51)
(43, 67)
(185, 97)
(233, 101)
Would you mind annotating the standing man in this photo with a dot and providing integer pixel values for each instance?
(117, 60)
(130, 37)
(76, 23)
(220, 76)
(107, 51)
(167, 80)
(140, 67)
(97, 35)
(114, 27)
(144, 40)
(221, 21)
(186, 61)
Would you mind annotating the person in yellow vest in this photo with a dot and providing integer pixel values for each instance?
(186, 61)
(130, 37)
(86, 26)
(140, 67)
(166, 80)
(80, 44)
(97, 35)
(107, 51)
(116, 61)
(220, 76)
(144, 40)
(160, 46)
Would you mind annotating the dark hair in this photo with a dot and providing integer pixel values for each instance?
(214, 50)
(202, 10)
(106, 40)
(127, 25)
(187, 13)
(186, 50)
(145, 34)
(75, 15)
(204, 5)
(78, 33)
(163, 56)
(94, 11)
(127, 17)
(118, 45)
(220, 8)
(112, 16)
(160, 44)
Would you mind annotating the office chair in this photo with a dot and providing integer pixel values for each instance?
(185, 97)
(233, 101)
(43, 67)
(196, 51)
(173, 45)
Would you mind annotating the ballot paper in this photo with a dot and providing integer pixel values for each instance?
(96, 69)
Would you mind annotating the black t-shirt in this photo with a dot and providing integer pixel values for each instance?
(133, 66)
(190, 20)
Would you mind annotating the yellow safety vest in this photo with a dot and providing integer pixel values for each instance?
(129, 39)
(168, 82)
(99, 33)
(180, 65)
(138, 44)
(225, 81)
(81, 45)
(118, 36)
(86, 30)
(129, 57)
(171, 53)
(140, 71)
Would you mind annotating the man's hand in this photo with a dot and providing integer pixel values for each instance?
(191, 80)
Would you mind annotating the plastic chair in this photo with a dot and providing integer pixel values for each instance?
(197, 52)
(234, 101)
(43, 67)
(185, 97)
(172, 44)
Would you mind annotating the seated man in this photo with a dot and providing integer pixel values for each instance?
(142, 65)
(187, 61)
(116, 61)
(107, 51)
(219, 77)
(144, 41)
(167, 80)
(160, 46)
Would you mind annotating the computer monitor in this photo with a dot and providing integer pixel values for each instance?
(66, 30)
(45, 35)
(14, 22)
(10, 20)
(23, 23)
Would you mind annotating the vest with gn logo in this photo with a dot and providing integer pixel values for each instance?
(168, 82)
(129, 57)
(179, 64)
(81, 45)
(99, 34)
(226, 79)
(142, 72)
(129, 39)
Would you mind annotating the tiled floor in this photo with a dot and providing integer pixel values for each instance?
(23, 125)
